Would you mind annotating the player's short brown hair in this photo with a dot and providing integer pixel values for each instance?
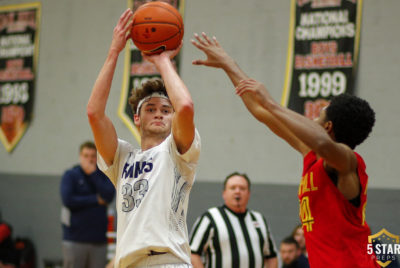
(146, 89)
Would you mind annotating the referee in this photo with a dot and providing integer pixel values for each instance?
(231, 235)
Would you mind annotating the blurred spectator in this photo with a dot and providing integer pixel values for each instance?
(298, 235)
(85, 193)
(290, 254)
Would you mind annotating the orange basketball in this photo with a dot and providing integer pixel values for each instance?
(157, 26)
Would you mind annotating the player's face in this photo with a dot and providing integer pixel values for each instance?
(155, 117)
(289, 253)
(236, 194)
(323, 121)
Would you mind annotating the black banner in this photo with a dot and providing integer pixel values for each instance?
(137, 70)
(19, 46)
(322, 54)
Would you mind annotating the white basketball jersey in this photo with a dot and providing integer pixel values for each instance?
(153, 188)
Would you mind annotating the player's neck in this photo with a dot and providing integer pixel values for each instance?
(149, 142)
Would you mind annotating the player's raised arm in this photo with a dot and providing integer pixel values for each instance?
(183, 128)
(103, 130)
(218, 58)
(315, 135)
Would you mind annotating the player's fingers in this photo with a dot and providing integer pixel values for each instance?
(206, 38)
(241, 83)
(239, 86)
(215, 41)
(242, 89)
(199, 39)
(125, 16)
(239, 91)
(127, 36)
(199, 46)
(198, 62)
(120, 28)
(176, 50)
(247, 82)
(128, 26)
(126, 23)
(144, 56)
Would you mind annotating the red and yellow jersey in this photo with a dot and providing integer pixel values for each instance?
(335, 230)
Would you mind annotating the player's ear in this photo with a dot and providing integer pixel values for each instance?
(328, 125)
(136, 120)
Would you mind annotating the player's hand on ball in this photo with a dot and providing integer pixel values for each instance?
(121, 31)
(170, 54)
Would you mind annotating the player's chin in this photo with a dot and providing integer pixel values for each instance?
(158, 127)
(160, 130)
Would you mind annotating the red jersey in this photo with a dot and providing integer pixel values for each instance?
(335, 230)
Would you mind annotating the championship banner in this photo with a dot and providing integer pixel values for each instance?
(137, 71)
(19, 46)
(322, 53)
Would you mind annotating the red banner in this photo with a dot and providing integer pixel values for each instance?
(19, 46)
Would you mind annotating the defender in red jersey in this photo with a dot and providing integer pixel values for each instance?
(332, 192)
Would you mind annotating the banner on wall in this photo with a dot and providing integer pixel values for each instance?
(19, 46)
(322, 53)
(137, 71)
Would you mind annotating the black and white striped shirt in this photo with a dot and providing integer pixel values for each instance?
(228, 239)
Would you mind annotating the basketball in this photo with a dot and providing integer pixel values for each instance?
(157, 26)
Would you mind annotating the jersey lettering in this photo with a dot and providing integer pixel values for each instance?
(129, 202)
(140, 189)
(135, 169)
(306, 218)
(307, 184)
(133, 195)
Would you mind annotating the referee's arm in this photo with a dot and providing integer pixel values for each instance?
(270, 250)
(271, 262)
(198, 240)
(196, 261)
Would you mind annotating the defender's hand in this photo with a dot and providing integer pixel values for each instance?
(216, 55)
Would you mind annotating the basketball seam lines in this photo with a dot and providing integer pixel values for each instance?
(153, 22)
(167, 10)
(157, 41)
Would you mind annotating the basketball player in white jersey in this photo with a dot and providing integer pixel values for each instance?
(153, 183)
